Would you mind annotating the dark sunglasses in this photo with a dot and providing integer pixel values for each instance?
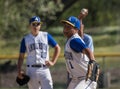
(35, 24)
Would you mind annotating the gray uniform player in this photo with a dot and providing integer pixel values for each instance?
(75, 48)
(36, 45)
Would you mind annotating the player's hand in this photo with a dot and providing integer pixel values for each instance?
(49, 63)
(20, 74)
(22, 79)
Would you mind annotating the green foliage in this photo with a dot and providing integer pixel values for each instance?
(14, 17)
(101, 12)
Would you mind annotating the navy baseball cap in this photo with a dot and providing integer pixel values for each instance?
(73, 21)
(35, 19)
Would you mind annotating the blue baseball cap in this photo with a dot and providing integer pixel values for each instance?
(35, 19)
(73, 21)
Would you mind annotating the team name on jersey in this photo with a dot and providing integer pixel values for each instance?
(35, 46)
(68, 55)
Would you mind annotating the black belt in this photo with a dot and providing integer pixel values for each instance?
(36, 65)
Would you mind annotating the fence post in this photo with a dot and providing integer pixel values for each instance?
(106, 75)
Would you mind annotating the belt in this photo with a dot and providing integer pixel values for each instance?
(37, 65)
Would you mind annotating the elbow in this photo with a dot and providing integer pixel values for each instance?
(59, 48)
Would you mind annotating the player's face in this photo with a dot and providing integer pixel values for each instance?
(35, 27)
(68, 30)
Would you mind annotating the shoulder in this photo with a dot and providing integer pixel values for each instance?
(76, 41)
(77, 45)
(42, 32)
(26, 36)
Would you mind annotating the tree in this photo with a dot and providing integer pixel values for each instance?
(16, 13)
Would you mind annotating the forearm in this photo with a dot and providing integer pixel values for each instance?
(80, 32)
(56, 54)
(89, 54)
(20, 62)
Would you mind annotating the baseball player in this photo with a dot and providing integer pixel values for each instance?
(36, 45)
(86, 38)
(75, 48)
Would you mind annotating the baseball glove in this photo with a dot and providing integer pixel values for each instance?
(22, 81)
(93, 71)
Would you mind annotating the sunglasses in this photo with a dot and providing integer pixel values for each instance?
(35, 24)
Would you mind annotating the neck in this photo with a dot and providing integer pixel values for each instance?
(35, 34)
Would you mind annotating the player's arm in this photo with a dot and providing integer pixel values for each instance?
(21, 57)
(89, 53)
(56, 53)
(80, 32)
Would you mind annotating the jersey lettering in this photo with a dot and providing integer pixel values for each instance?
(34, 46)
(31, 47)
(68, 56)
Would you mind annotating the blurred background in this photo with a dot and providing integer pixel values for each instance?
(102, 23)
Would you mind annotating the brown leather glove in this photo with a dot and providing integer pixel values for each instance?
(93, 71)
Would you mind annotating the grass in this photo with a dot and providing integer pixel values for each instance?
(108, 49)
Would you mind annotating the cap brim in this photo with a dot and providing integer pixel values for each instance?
(65, 21)
(37, 22)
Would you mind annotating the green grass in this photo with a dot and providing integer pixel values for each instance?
(9, 47)
(108, 49)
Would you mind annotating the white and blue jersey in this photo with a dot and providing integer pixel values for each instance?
(37, 47)
(76, 63)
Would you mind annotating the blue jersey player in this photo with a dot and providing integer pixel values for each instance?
(86, 38)
(36, 45)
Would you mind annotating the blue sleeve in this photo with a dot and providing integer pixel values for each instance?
(51, 41)
(90, 45)
(88, 41)
(22, 46)
(77, 45)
